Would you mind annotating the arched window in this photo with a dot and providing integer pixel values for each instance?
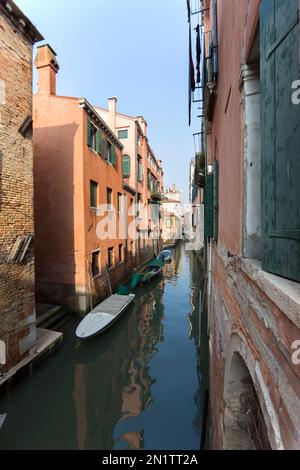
(126, 166)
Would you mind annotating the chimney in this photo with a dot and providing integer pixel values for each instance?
(143, 124)
(47, 67)
(112, 111)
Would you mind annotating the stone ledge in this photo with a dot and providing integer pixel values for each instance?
(46, 340)
(283, 292)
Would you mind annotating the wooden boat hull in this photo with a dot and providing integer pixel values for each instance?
(103, 316)
(148, 276)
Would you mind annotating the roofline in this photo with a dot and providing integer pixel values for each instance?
(20, 21)
(135, 119)
(83, 103)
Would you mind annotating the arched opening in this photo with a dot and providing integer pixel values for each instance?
(126, 166)
(244, 424)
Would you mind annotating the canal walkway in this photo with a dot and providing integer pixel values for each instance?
(140, 385)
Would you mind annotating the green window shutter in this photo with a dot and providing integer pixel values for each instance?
(280, 137)
(88, 133)
(216, 201)
(113, 154)
(93, 194)
(209, 206)
(126, 166)
(105, 149)
(99, 141)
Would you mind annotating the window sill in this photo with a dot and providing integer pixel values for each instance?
(94, 151)
(284, 293)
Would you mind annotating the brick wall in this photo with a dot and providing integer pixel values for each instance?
(16, 193)
(246, 321)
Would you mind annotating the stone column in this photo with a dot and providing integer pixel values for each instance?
(250, 85)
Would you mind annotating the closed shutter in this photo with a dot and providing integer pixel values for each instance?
(99, 141)
(280, 130)
(126, 166)
(216, 202)
(113, 154)
(88, 133)
(105, 149)
(209, 206)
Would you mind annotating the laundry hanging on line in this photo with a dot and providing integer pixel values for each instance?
(192, 83)
(198, 53)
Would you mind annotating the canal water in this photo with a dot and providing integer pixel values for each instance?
(140, 385)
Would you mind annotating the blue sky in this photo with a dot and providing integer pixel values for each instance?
(135, 50)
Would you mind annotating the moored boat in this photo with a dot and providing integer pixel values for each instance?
(152, 269)
(165, 255)
(103, 316)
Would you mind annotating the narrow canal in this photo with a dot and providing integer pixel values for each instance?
(140, 385)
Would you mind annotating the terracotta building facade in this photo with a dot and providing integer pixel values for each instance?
(143, 174)
(86, 229)
(252, 221)
(17, 301)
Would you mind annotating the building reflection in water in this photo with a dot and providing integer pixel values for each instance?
(112, 379)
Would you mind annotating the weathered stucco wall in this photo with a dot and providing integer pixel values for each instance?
(241, 308)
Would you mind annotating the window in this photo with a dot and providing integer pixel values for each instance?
(109, 199)
(121, 253)
(110, 257)
(108, 147)
(123, 134)
(120, 200)
(93, 194)
(138, 139)
(94, 137)
(149, 180)
(126, 166)
(110, 152)
(140, 170)
(168, 222)
(95, 263)
(280, 170)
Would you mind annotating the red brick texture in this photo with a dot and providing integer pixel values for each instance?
(16, 190)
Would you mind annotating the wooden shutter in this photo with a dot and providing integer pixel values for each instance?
(88, 133)
(105, 149)
(113, 154)
(99, 141)
(209, 206)
(126, 166)
(280, 132)
(216, 201)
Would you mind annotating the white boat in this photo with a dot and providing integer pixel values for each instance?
(165, 255)
(103, 316)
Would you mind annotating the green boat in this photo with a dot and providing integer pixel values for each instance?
(148, 272)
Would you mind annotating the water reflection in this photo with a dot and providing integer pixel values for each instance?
(135, 386)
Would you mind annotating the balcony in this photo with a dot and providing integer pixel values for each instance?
(210, 73)
(156, 196)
